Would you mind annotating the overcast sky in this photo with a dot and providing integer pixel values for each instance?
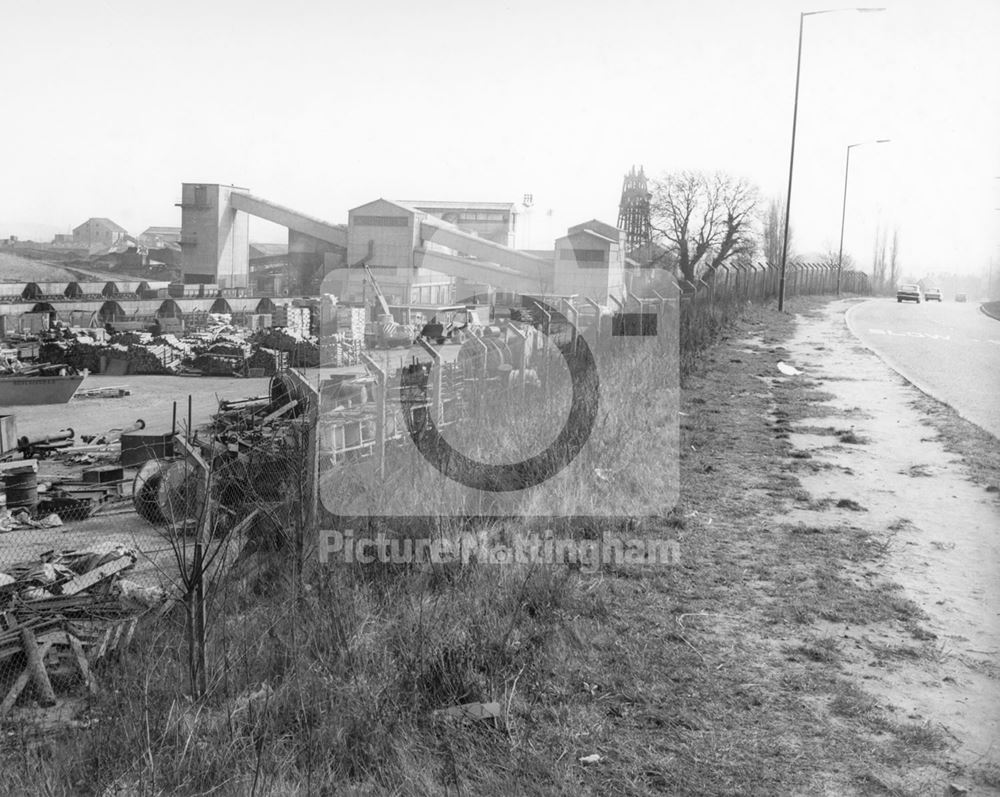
(109, 106)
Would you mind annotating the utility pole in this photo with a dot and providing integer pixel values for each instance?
(791, 157)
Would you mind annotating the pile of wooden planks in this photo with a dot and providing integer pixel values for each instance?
(62, 607)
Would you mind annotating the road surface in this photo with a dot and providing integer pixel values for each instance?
(951, 351)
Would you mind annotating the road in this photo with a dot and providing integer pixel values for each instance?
(950, 351)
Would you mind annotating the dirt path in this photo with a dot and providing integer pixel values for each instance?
(883, 460)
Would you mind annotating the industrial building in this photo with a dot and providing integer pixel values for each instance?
(215, 229)
(421, 252)
(494, 221)
(159, 237)
(271, 271)
(98, 233)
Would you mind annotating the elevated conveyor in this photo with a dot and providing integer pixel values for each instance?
(506, 279)
(484, 260)
(292, 219)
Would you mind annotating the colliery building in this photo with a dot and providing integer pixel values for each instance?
(98, 233)
(420, 251)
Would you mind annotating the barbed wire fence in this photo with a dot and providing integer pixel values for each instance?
(717, 297)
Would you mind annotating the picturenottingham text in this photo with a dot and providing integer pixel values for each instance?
(342, 547)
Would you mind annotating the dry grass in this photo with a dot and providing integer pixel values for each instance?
(718, 676)
(980, 451)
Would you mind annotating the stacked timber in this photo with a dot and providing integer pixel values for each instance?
(303, 352)
(266, 362)
(340, 351)
(297, 320)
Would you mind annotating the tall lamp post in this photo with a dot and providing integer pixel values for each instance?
(791, 160)
(843, 211)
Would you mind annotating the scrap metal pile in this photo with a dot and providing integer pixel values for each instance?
(254, 450)
(64, 610)
(83, 477)
(21, 368)
(221, 350)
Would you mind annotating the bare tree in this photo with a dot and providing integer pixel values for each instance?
(774, 231)
(738, 200)
(831, 258)
(894, 258)
(878, 258)
(704, 220)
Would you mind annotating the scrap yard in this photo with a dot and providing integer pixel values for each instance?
(153, 435)
(458, 400)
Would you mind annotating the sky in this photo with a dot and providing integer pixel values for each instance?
(109, 106)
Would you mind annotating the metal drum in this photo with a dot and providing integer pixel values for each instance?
(21, 486)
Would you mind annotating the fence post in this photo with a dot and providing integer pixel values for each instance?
(438, 398)
(597, 318)
(523, 336)
(381, 381)
(572, 310)
(662, 300)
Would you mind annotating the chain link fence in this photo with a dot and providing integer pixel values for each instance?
(710, 302)
(96, 536)
(190, 575)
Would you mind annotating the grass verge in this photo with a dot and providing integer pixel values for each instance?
(717, 675)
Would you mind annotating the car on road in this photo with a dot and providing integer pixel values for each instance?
(960, 297)
(932, 295)
(909, 293)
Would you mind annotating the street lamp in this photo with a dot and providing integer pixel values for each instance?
(843, 212)
(791, 160)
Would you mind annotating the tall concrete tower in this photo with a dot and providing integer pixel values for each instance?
(633, 211)
(215, 241)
